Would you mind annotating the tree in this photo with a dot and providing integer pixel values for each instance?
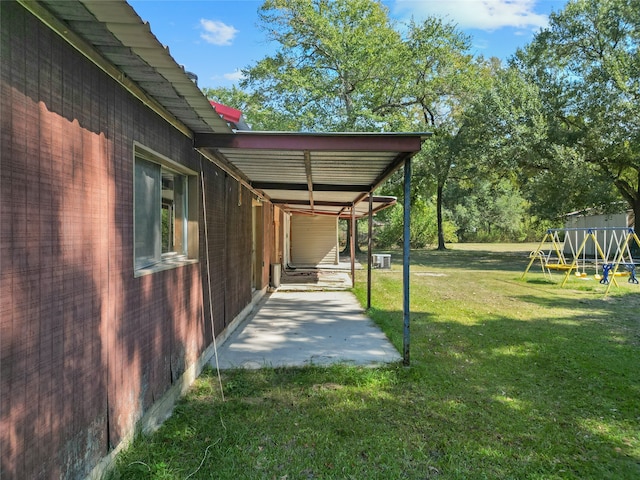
(504, 133)
(342, 66)
(587, 65)
(256, 111)
(505, 124)
(333, 61)
(423, 228)
(440, 78)
(487, 209)
(512, 132)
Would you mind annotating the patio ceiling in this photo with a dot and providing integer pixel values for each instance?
(313, 173)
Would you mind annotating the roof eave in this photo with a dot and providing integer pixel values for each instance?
(87, 24)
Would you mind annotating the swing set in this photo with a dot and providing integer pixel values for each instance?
(606, 250)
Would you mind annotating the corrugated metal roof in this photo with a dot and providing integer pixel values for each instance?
(119, 35)
(302, 172)
(322, 173)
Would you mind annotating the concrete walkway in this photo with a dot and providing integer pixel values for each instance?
(306, 328)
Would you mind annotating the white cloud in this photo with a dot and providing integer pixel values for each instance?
(216, 32)
(480, 44)
(234, 76)
(481, 14)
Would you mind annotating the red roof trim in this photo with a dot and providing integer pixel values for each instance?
(229, 114)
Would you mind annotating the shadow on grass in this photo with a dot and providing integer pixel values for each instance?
(597, 305)
(500, 398)
(547, 395)
(542, 281)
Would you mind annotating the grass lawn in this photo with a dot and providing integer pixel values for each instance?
(509, 379)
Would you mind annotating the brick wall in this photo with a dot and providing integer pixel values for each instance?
(85, 347)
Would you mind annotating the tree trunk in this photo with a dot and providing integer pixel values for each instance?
(347, 247)
(441, 245)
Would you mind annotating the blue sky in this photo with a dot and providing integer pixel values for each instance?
(216, 38)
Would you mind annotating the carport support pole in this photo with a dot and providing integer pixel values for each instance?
(369, 251)
(353, 245)
(405, 261)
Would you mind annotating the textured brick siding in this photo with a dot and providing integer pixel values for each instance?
(216, 226)
(238, 239)
(86, 348)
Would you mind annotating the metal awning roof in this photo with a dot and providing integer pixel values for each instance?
(315, 173)
(302, 172)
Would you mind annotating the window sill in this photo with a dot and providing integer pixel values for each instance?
(167, 263)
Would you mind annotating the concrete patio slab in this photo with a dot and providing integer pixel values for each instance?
(306, 328)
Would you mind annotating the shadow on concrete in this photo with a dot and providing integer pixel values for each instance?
(306, 328)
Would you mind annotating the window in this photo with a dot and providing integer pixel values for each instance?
(165, 213)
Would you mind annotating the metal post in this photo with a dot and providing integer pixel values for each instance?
(405, 260)
(353, 245)
(369, 252)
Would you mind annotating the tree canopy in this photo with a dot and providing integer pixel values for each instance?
(332, 64)
(556, 130)
(587, 67)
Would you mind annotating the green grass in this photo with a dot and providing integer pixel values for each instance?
(509, 379)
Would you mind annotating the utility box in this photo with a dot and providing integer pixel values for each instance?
(381, 260)
(276, 272)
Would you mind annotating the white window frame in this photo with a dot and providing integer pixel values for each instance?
(154, 256)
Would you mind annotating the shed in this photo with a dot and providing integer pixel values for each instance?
(607, 228)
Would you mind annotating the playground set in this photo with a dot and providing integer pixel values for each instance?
(606, 251)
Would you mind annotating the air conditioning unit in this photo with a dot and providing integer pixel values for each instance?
(381, 260)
